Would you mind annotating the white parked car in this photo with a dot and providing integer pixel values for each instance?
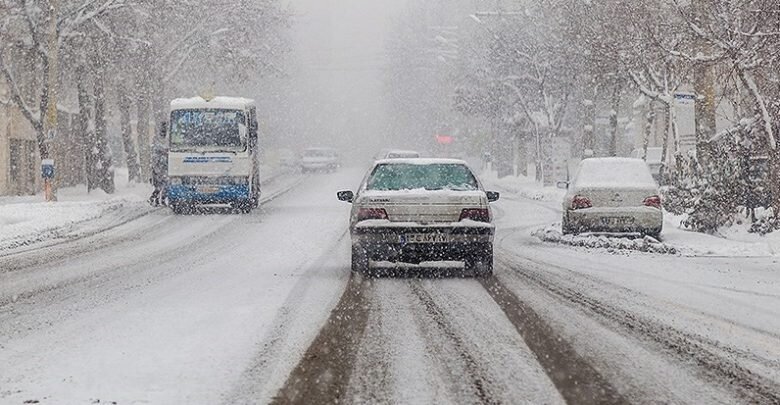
(320, 159)
(613, 195)
(416, 210)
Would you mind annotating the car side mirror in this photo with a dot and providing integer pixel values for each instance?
(346, 196)
(563, 185)
(493, 196)
(163, 130)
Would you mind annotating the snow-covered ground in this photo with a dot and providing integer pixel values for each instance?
(172, 309)
(28, 220)
(232, 309)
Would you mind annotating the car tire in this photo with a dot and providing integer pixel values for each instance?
(359, 260)
(566, 228)
(480, 265)
(653, 233)
(245, 207)
(181, 209)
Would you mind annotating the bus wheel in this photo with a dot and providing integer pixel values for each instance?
(245, 206)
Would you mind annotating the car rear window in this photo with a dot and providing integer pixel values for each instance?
(444, 176)
(614, 172)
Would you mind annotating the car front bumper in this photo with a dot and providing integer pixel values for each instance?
(618, 219)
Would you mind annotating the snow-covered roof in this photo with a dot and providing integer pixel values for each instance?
(227, 103)
(421, 161)
(614, 172)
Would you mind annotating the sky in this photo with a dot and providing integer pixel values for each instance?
(336, 70)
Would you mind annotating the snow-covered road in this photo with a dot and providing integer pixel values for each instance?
(257, 308)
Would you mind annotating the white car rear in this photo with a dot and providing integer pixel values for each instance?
(414, 210)
(320, 159)
(613, 195)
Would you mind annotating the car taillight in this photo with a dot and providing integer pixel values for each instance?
(580, 202)
(371, 213)
(475, 214)
(653, 201)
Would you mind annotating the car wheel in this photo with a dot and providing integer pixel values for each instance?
(566, 227)
(653, 233)
(181, 209)
(359, 260)
(245, 206)
(480, 265)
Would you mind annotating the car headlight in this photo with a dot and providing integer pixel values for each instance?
(175, 181)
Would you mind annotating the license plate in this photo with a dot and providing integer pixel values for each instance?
(208, 189)
(617, 220)
(425, 238)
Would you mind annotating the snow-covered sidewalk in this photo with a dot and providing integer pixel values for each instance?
(675, 239)
(29, 221)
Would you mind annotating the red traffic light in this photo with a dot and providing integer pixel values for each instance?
(444, 139)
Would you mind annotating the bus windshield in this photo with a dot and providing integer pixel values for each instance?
(213, 128)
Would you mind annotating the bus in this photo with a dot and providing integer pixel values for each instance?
(213, 155)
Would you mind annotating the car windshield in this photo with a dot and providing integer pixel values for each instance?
(208, 128)
(393, 177)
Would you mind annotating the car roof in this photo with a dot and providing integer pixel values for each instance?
(404, 151)
(421, 161)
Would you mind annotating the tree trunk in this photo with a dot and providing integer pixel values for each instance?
(103, 169)
(86, 131)
(613, 120)
(131, 157)
(665, 144)
(774, 180)
(589, 124)
(649, 127)
(143, 108)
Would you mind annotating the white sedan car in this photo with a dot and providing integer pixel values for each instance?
(613, 195)
(320, 159)
(415, 210)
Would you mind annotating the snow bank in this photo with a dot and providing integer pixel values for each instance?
(28, 220)
(611, 243)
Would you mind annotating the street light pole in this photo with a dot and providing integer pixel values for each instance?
(50, 120)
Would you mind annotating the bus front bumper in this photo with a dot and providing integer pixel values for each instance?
(208, 194)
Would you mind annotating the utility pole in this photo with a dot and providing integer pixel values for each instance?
(50, 120)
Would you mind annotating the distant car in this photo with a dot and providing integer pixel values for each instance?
(613, 195)
(416, 210)
(320, 159)
(401, 154)
(653, 158)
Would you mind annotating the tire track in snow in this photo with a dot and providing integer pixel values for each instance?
(478, 383)
(754, 388)
(576, 380)
(262, 378)
(323, 374)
